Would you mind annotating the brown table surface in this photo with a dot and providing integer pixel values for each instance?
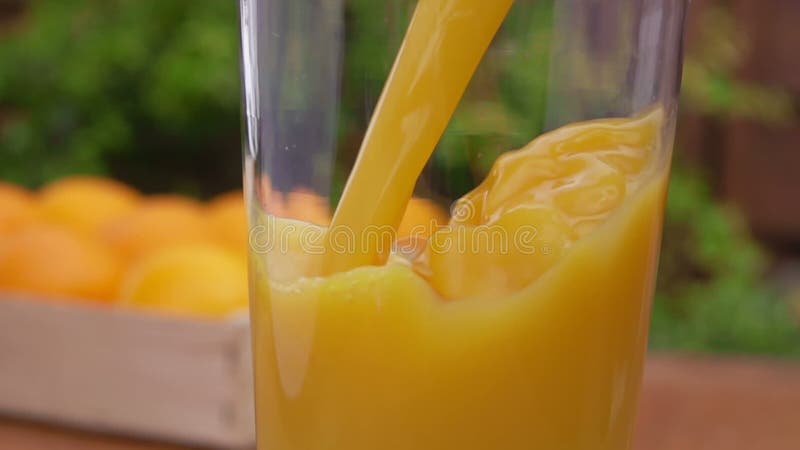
(719, 404)
(19, 435)
(687, 404)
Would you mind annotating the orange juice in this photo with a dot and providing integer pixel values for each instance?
(521, 324)
(399, 357)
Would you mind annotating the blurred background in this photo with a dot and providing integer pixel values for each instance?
(142, 99)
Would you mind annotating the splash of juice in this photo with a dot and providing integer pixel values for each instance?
(537, 202)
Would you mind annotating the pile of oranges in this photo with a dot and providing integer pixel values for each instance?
(94, 239)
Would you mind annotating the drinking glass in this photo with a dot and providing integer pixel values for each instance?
(455, 211)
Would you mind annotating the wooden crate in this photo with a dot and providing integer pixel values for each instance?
(127, 372)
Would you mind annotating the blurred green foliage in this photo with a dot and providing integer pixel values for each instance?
(711, 293)
(710, 84)
(148, 91)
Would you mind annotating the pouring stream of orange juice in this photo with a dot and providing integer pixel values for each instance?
(521, 325)
(445, 42)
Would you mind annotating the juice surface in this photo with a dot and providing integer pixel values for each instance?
(526, 332)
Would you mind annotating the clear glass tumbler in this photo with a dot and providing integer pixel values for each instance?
(455, 211)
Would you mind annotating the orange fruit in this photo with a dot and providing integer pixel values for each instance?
(300, 204)
(85, 203)
(304, 204)
(16, 207)
(228, 220)
(202, 280)
(422, 218)
(159, 222)
(264, 185)
(54, 261)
